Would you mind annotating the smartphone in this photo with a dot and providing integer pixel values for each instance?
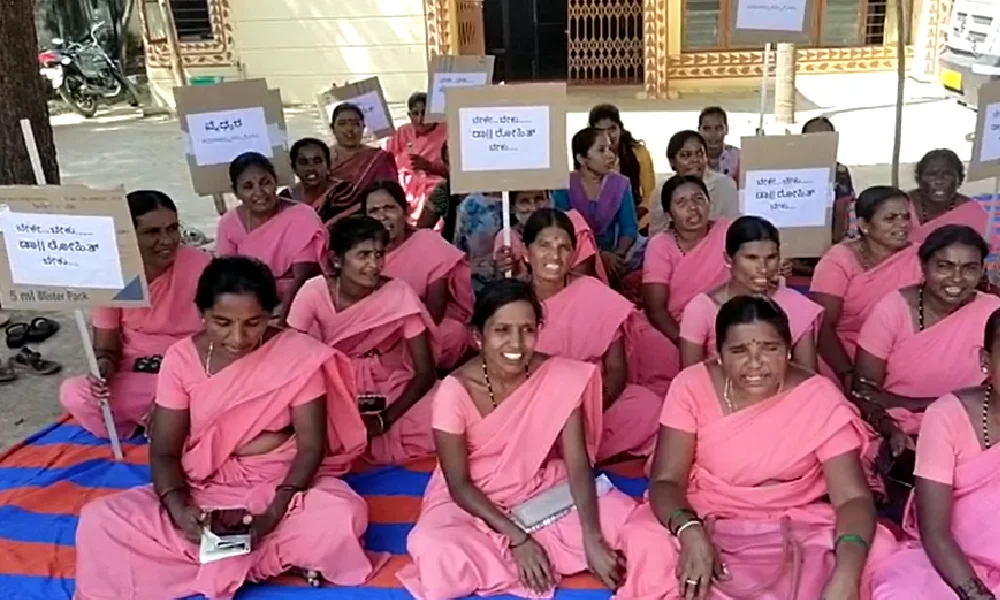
(228, 521)
(371, 403)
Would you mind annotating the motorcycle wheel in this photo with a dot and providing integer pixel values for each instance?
(81, 104)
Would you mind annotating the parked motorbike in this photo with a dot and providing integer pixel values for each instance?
(83, 74)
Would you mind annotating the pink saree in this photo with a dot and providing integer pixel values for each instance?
(586, 247)
(373, 334)
(953, 342)
(145, 333)
(425, 258)
(758, 482)
(294, 235)
(511, 460)
(417, 184)
(127, 547)
(629, 423)
(839, 274)
(969, 213)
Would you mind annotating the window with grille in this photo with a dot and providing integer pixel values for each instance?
(707, 23)
(192, 20)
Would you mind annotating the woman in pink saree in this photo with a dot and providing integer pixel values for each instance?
(937, 202)
(516, 435)
(353, 165)
(129, 342)
(310, 159)
(288, 237)
(681, 262)
(418, 149)
(753, 252)
(436, 270)
(383, 327)
(253, 427)
(855, 274)
(586, 320)
(756, 488)
(953, 511)
(524, 203)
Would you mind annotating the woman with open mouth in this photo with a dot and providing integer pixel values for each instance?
(753, 253)
(937, 202)
(587, 320)
(856, 274)
(311, 161)
(438, 271)
(384, 328)
(756, 488)
(922, 341)
(513, 505)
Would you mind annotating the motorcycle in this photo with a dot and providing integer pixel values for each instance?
(82, 73)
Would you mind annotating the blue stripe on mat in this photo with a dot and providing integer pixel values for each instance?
(387, 537)
(72, 434)
(390, 481)
(19, 525)
(94, 473)
(33, 587)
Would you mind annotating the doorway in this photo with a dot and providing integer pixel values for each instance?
(528, 38)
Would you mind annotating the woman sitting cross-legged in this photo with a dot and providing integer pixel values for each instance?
(252, 425)
(516, 435)
(756, 488)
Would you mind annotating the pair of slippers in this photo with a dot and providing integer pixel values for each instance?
(30, 361)
(35, 332)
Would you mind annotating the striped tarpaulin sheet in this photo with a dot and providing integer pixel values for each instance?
(46, 480)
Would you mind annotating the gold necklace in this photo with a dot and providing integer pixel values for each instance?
(727, 394)
(489, 384)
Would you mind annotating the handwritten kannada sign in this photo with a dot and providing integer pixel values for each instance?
(442, 81)
(373, 108)
(504, 138)
(75, 251)
(789, 197)
(771, 15)
(218, 137)
(990, 134)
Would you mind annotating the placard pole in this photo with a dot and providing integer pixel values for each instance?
(81, 322)
(763, 87)
(506, 225)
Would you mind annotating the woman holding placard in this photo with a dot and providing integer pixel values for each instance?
(514, 505)
(937, 202)
(854, 275)
(922, 341)
(604, 198)
(384, 328)
(253, 428)
(756, 489)
(130, 342)
(435, 269)
(353, 165)
(288, 237)
(629, 424)
(753, 255)
(417, 147)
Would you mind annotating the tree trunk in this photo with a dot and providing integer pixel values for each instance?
(22, 96)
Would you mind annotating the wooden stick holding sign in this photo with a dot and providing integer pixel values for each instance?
(510, 137)
(69, 247)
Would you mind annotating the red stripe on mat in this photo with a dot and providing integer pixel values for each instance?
(391, 509)
(54, 456)
(62, 498)
(42, 560)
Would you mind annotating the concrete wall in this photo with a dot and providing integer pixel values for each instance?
(302, 47)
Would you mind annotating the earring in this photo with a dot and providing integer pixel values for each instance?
(986, 370)
(789, 355)
(718, 360)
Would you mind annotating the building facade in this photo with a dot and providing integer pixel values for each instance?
(661, 47)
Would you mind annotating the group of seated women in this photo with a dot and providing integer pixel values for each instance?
(772, 423)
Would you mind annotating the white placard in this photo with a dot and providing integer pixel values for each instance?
(70, 251)
(771, 15)
(991, 134)
(446, 80)
(788, 197)
(220, 136)
(371, 106)
(504, 138)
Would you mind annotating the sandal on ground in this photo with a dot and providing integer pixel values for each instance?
(41, 329)
(17, 335)
(33, 361)
(7, 373)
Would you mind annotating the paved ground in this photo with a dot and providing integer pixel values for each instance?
(120, 147)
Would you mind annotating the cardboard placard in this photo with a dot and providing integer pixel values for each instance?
(985, 161)
(222, 121)
(68, 247)
(759, 22)
(445, 72)
(789, 180)
(507, 137)
(367, 95)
